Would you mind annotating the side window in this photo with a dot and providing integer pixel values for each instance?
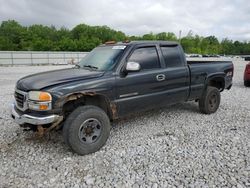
(171, 56)
(147, 57)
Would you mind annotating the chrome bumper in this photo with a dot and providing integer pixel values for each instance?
(25, 118)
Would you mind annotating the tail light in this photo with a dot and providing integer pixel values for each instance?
(230, 72)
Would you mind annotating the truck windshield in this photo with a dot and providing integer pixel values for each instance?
(102, 58)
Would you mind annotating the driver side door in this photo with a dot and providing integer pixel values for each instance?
(141, 90)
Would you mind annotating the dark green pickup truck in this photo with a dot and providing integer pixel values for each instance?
(114, 80)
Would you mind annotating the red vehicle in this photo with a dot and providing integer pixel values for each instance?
(247, 75)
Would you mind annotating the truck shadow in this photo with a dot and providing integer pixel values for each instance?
(53, 142)
(190, 107)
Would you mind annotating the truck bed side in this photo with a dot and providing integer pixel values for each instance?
(204, 73)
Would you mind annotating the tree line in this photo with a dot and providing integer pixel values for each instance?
(14, 36)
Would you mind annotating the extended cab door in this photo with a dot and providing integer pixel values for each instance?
(177, 82)
(139, 91)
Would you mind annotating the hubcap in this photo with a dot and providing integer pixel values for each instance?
(90, 131)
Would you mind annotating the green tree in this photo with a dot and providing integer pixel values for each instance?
(12, 32)
(166, 36)
(87, 44)
(226, 46)
(149, 36)
(213, 45)
(67, 44)
(82, 37)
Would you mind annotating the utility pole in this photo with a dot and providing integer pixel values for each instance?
(180, 36)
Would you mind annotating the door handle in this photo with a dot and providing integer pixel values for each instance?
(160, 77)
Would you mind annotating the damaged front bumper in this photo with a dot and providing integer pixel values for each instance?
(33, 120)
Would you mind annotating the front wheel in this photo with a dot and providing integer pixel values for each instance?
(86, 129)
(210, 100)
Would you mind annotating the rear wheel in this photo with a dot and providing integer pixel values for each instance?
(247, 83)
(210, 100)
(86, 129)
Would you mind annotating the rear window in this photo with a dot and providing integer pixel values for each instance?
(171, 56)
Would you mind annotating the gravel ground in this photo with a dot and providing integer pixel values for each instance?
(172, 147)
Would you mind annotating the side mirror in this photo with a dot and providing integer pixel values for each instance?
(133, 67)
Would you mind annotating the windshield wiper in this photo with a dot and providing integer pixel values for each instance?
(91, 66)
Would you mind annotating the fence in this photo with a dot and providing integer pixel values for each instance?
(43, 58)
(35, 57)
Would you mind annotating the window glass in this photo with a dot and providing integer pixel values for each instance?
(171, 56)
(102, 58)
(147, 57)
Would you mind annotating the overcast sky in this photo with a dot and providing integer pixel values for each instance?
(222, 18)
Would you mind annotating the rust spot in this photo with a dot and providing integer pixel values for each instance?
(114, 110)
(41, 131)
(90, 93)
(54, 125)
(71, 97)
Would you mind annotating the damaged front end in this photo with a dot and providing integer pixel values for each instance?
(41, 124)
(33, 111)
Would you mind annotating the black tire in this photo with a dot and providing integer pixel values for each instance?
(210, 100)
(247, 83)
(78, 131)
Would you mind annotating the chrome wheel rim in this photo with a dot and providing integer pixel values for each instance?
(89, 131)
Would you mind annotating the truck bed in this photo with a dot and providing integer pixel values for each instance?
(202, 68)
(207, 59)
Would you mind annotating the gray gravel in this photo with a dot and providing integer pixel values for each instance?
(171, 147)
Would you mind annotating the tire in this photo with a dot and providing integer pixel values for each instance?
(86, 129)
(247, 83)
(210, 100)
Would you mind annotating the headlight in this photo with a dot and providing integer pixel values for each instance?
(39, 100)
(39, 96)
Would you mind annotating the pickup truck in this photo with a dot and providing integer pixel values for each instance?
(112, 81)
(247, 75)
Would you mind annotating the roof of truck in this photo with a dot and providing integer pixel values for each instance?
(140, 42)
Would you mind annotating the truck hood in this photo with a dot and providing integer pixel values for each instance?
(47, 79)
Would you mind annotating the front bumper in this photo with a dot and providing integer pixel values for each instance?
(34, 120)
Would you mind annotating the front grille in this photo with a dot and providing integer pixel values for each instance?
(20, 99)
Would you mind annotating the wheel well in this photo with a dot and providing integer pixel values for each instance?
(76, 100)
(217, 82)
